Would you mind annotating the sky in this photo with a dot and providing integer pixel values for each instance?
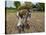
(11, 3)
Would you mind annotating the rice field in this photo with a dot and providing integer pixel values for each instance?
(36, 22)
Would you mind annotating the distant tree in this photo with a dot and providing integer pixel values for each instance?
(40, 6)
(17, 4)
(33, 6)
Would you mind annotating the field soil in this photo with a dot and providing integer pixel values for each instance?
(36, 23)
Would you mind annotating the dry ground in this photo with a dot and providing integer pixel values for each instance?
(36, 22)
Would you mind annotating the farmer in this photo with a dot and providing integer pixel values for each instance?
(23, 15)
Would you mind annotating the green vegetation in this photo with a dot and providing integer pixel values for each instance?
(17, 4)
(10, 10)
(40, 6)
(28, 5)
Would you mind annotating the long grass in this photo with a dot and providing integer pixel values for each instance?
(36, 22)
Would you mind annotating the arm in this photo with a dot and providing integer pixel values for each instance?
(17, 15)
